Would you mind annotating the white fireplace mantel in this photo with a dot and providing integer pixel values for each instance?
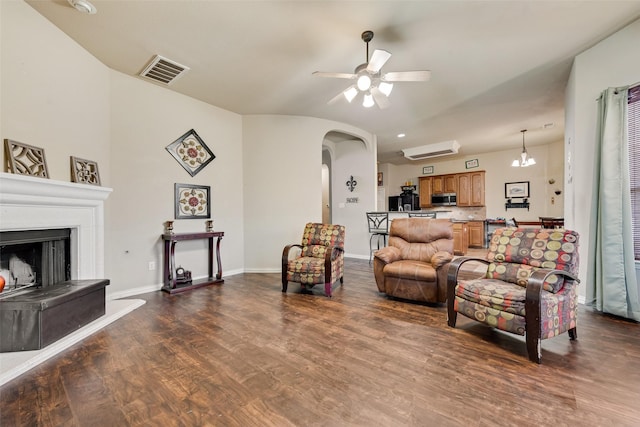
(31, 203)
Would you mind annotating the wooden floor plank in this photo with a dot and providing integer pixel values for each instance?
(244, 354)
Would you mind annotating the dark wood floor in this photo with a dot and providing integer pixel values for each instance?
(244, 354)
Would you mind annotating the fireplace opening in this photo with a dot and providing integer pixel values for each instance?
(34, 258)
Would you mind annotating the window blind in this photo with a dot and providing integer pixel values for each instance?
(634, 164)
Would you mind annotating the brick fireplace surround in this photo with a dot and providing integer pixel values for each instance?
(30, 203)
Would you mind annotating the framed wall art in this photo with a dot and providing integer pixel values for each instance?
(427, 170)
(191, 152)
(516, 190)
(471, 164)
(84, 171)
(192, 201)
(24, 159)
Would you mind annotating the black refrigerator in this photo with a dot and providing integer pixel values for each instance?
(408, 202)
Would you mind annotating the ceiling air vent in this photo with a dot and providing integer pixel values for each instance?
(163, 70)
(432, 150)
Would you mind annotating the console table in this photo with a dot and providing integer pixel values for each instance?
(170, 240)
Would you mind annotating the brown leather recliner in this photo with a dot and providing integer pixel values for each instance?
(414, 265)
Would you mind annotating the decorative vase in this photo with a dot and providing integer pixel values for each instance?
(168, 227)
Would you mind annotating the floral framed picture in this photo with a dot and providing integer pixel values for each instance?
(191, 152)
(84, 171)
(192, 201)
(516, 190)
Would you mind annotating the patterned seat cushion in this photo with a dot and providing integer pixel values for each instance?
(498, 294)
(502, 305)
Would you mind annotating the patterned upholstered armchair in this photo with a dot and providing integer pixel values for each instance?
(529, 288)
(414, 265)
(321, 258)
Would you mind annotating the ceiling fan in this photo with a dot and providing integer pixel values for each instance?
(375, 85)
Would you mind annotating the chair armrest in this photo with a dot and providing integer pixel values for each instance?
(388, 254)
(440, 259)
(532, 298)
(452, 274)
(328, 257)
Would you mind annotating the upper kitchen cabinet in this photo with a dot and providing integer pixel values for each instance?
(444, 184)
(451, 183)
(471, 189)
(426, 190)
(437, 184)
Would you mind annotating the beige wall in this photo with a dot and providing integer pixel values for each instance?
(54, 95)
(282, 189)
(145, 118)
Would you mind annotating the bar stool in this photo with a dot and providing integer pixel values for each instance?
(379, 228)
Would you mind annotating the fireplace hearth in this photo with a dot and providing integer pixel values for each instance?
(52, 259)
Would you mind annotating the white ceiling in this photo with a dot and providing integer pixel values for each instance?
(497, 66)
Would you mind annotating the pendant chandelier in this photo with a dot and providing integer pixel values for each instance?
(524, 160)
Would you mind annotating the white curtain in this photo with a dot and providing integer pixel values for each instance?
(611, 276)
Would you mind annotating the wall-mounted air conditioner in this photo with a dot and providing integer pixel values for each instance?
(432, 150)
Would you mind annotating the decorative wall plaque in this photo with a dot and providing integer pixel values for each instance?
(84, 171)
(24, 159)
(192, 201)
(191, 152)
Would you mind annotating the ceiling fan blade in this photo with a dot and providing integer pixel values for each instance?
(334, 75)
(381, 99)
(378, 59)
(407, 76)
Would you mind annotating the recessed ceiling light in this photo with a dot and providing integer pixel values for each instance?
(83, 6)
(401, 135)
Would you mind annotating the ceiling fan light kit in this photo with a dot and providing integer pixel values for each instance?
(370, 81)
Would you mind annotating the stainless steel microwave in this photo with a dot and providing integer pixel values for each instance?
(444, 199)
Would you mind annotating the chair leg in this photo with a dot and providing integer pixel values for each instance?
(573, 334)
(370, 248)
(285, 283)
(327, 289)
(452, 314)
(534, 348)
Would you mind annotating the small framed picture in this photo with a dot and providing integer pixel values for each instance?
(516, 190)
(191, 152)
(84, 171)
(192, 201)
(24, 159)
(471, 163)
(427, 170)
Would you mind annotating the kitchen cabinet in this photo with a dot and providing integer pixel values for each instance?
(477, 233)
(471, 189)
(477, 188)
(460, 238)
(437, 184)
(450, 183)
(425, 192)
